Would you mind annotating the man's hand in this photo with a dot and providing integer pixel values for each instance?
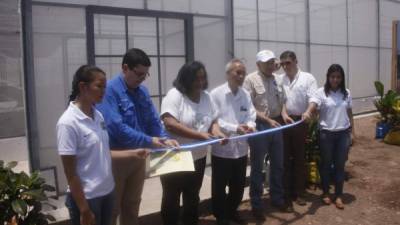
(172, 143)
(158, 142)
(224, 140)
(244, 129)
(251, 130)
(287, 119)
(306, 116)
(273, 123)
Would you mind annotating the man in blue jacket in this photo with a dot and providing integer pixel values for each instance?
(132, 123)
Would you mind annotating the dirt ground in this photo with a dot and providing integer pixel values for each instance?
(372, 192)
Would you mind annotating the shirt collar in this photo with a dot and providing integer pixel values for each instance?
(79, 114)
(122, 81)
(229, 91)
(125, 87)
(296, 77)
(264, 77)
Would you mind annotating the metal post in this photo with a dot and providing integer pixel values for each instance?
(32, 132)
(347, 45)
(258, 26)
(229, 28)
(378, 76)
(308, 45)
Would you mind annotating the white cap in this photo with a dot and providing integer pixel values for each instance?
(265, 56)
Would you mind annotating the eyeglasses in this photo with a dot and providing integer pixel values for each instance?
(141, 74)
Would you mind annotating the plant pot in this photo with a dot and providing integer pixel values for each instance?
(382, 128)
(393, 137)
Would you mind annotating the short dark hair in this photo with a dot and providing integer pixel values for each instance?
(288, 54)
(342, 86)
(134, 57)
(85, 73)
(187, 75)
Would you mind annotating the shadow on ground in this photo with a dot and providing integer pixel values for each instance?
(206, 217)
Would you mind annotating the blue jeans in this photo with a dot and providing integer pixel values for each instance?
(101, 208)
(259, 146)
(334, 147)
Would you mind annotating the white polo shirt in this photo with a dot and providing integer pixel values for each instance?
(298, 92)
(232, 111)
(332, 109)
(87, 139)
(196, 116)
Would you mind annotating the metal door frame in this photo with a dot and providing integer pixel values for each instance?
(91, 10)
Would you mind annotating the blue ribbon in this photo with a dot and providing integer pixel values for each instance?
(214, 141)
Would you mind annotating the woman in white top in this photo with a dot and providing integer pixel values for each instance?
(189, 116)
(335, 122)
(82, 143)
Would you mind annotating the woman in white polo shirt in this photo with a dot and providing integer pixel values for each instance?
(335, 123)
(82, 143)
(189, 116)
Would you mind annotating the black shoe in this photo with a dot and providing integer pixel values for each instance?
(258, 214)
(237, 219)
(301, 201)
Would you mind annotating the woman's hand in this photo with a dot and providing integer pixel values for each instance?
(140, 153)
(205, 136)
(87, 217)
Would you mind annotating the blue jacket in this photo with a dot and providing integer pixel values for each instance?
(130, 115)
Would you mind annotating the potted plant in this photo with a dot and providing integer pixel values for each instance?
(393, 136)
(386, 104)
(21, 195)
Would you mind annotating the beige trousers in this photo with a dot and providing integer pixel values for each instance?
(129, 179)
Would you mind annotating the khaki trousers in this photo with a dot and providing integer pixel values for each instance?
(129, 179)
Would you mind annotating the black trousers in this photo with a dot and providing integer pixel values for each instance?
(231, 173)
(188, 185)
(295, 172)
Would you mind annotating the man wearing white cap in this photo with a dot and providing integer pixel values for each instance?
(268, 97)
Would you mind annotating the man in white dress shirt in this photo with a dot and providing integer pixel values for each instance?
(236, 115)
(299, 87)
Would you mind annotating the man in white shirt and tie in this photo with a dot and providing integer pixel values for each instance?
(236, 115)
(299, 87)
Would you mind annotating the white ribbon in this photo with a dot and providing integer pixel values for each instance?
(213, 141)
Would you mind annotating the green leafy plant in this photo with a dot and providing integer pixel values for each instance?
(387, 105)
(312, 147)
(312, 152)
(21, 195)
